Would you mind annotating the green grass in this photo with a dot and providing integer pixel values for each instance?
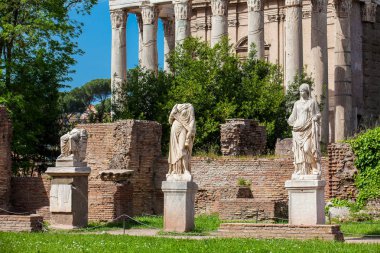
(48, 242)
(370, 228)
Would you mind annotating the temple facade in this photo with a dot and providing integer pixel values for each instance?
(337, 42)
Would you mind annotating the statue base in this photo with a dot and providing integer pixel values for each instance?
(306, 201)
(187, 177)
(179, 210)
(69, 161)
(69, 196)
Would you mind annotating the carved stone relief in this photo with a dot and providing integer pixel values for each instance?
(118, 19)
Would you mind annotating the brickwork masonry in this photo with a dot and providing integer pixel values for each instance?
(5, 157)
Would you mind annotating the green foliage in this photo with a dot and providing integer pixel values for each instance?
(36, 52)
(80, 100)
(244, 182)
(366, 147)
(220, 86)
(360, 228)
(54, 242)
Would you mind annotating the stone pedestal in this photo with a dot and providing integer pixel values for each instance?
(179, 197)
(69, 196)
(306, 201)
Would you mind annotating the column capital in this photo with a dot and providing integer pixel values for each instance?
(219, 7)
(369, 12)
(290, 3)
(182, 9)
(255, 5)
(118, 18)
(319, 6)
(149, 14)
(343, 8)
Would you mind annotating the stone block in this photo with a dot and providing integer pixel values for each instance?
(306, 202)
(69, 196)
(179, 209)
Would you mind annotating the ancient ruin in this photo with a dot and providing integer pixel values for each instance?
(335, 39)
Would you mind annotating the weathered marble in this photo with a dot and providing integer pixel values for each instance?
(182, 13)
(293, 40)
(304, 121)
(219, 22)
(179, 209)
(319, 67)
(169, 39)
(342, 74)
(118, 56)
(69, 196)
(73, 148)
(306, 202)
(149, 14)
(181, 143)
(256, 26)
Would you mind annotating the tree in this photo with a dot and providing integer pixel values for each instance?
(36, 52)
(80, 99)
(220, 86)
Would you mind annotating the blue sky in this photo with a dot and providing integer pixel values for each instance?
(95, 41)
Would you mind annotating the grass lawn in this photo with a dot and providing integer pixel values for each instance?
(65, 242)
(60, 241)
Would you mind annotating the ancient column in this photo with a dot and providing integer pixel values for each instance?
(182, 12)
(320, 62)
(149, 15)
(256, 26)
(293, 40)
(169, 41)
(219, 22)
(342, 74)
(118, 56)
(140, 27)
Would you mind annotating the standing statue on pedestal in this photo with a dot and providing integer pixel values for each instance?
(305, 120)
(182, 137)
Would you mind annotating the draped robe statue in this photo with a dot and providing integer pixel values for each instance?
(305, 123)
(73, 145)
(182, 137)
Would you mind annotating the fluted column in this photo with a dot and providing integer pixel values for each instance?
(118, 57)
(342, 75)
(219, 22)
(256, 26)
(149, 45)
(140, 27)
(320, 61)
(293, 40)
(169, 41)
(182, 13)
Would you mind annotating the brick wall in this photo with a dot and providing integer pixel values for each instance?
(340, 183)
(31, 194)
(18, 223)
(129, 144)
(242, 137)
(284, 147)
(217, 182)
(5, 157)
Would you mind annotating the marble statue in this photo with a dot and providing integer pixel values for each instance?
(73, 145)
(182, 136)
(305, 120)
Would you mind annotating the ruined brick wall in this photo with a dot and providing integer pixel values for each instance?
(129, 144)
(284, 147)
(31, 194)
(18, 223)
(217, 182)
(341, 172)
(242, 137)
(371, 68)
(5, 158)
